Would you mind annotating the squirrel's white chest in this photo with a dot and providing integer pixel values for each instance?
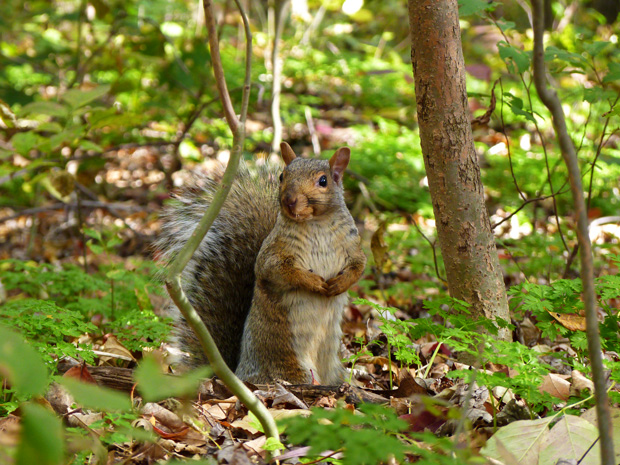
(323, 254)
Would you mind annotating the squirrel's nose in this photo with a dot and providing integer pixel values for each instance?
(290, 203)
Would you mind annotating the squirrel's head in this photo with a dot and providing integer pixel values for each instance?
(309, 187)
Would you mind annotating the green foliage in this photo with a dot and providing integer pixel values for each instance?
(21, 365)
(96, 397)
(385, 156)
(366, 438)
(155, 386)
(432, 450)
(396, 332)
(564, 297)
(456, 329)
(56, 305)
(119, 429)
(362, 352)
(48, 327)
(40, 438)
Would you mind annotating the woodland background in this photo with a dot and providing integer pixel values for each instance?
(107, 106)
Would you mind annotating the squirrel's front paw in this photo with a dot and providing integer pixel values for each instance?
(336, 285)
(317, 284)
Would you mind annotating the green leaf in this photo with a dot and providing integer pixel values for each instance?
(96, 397)
(597, 94)
(273, 444)
(575, 59)
(89, 145)
(41, 440)
(155, 386)
(516, 106)
(116, 274)
(95, 234)
(364, 439)
(506, 25)
(517, 60)
(613, 74)
(595, 48)
(45, 108)
(21, 364)
(24, 142)
(112, 119)
(49, 126)
(68, 136)
(475, 7)
(78, 98)
(95, 248)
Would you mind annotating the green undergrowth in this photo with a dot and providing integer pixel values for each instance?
(53, 306)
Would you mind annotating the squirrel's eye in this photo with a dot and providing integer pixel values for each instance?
(323, 181)
(281, 176)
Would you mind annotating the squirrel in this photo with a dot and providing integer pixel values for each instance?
(269, 279)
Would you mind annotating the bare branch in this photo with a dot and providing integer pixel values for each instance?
(276, 71)
(552, 102)
(537, 199)
(433, 249)
(218, 70)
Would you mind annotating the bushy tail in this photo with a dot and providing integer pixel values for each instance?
(219, 279)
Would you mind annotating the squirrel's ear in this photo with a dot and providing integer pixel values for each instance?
(287, 153)
(338, 163)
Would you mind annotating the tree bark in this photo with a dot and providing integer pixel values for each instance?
(463, 227)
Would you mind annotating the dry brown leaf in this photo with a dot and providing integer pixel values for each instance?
(9, 430)
(80, 373)
(439, 370)
(218, 411)
(486, 117)
(503, 394)
(378, 246)
(256, 445)
(555, 385)
(163, 415)
(570, 321)
(279, 395)
(113, 349)
(530, 332)
(580, 383)
(384, 362)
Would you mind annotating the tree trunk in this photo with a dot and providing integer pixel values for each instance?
(463, 227)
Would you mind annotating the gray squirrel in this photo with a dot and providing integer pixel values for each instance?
(269, 279)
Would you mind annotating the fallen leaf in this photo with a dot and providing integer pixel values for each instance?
(378, 246)
(423, 419)
(279, 395)
(112, 349)
(256, 445)
(570, 321)
(80, 373)
(555, 385)
(569, 439)
(580, 383)
(524, 439)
